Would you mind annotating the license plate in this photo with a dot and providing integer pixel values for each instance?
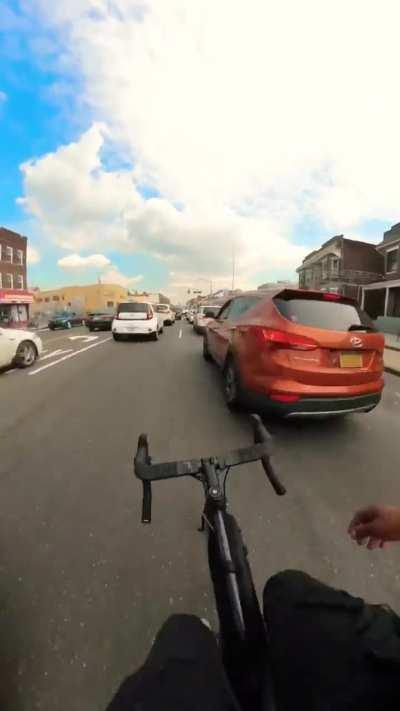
(351, 360)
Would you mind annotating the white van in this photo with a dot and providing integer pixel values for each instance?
(136, 318)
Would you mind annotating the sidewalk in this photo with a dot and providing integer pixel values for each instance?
(392, 354)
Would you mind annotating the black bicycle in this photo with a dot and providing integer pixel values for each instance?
(243, 636)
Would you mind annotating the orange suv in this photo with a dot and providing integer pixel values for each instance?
(298, 353)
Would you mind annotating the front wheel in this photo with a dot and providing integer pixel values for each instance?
(244, 659)
(154, 336)
(26, 354)
(116, 336)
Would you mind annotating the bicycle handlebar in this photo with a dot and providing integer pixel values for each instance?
(148, 472)
(261, 434)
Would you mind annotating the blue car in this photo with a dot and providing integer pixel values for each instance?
(65, 320)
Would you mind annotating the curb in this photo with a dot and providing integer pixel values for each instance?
(392, 371)
(393, 348)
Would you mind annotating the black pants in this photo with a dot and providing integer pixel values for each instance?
(329, 651)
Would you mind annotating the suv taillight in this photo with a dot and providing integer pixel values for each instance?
(283, 339)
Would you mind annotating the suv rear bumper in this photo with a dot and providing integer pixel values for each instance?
(327, 406)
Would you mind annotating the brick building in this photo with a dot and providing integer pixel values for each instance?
(382, 300)
(341, 265)
(14, 295)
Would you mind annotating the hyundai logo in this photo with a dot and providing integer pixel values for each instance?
(356, 342)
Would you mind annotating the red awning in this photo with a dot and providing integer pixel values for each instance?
(16, 296)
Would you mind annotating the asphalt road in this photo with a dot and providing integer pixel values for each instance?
(83, 585)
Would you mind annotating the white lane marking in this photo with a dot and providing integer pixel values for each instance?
(58, 352)
(7, 372)
(86, 339)
(44, 351)
(180, 333)
(50, 341)
(70, 355)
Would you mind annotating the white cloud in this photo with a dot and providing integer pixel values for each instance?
(108, 273)
(80, 205)
(250, 116)
(114, 276)
(33, 255)
(75, 261)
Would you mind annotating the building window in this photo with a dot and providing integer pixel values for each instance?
(325, 268)
(9, 254)
(63, 297)
(47, 300)
(19, 256)
(335, 266)
(56, 298)
(19, 281)
(39, 301)
(8, 281)
(110, 304)
(391, 259)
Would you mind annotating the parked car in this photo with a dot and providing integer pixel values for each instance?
(66, 320)
(166, 313)
(136, 318)
(203, 316)
(297, 353)
(100, 320)
(178, 315)
(19, 347)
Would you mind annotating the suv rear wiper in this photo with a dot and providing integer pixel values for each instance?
(360, 327)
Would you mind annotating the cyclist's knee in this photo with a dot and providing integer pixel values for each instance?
(286, 588)
(184, 626)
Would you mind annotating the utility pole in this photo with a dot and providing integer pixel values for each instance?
(233, 265)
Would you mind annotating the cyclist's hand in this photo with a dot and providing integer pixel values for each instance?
(375, 525)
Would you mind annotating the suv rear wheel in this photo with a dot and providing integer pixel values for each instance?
(206, 352)
(232, 388)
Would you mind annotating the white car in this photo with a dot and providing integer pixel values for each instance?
(204, 315)
(19, 347)
(166, 313)
(136, 318)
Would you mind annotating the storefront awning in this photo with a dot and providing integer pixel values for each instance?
(16, 296)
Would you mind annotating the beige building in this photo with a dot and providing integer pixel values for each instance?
(81, 299)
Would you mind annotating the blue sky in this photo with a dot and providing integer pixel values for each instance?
(36, 118)
(213, 162)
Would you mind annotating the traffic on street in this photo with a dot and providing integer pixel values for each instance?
(86, 584)
(199, 356)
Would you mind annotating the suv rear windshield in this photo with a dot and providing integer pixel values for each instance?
(161, 308)
(133, 308)
(320, 312)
